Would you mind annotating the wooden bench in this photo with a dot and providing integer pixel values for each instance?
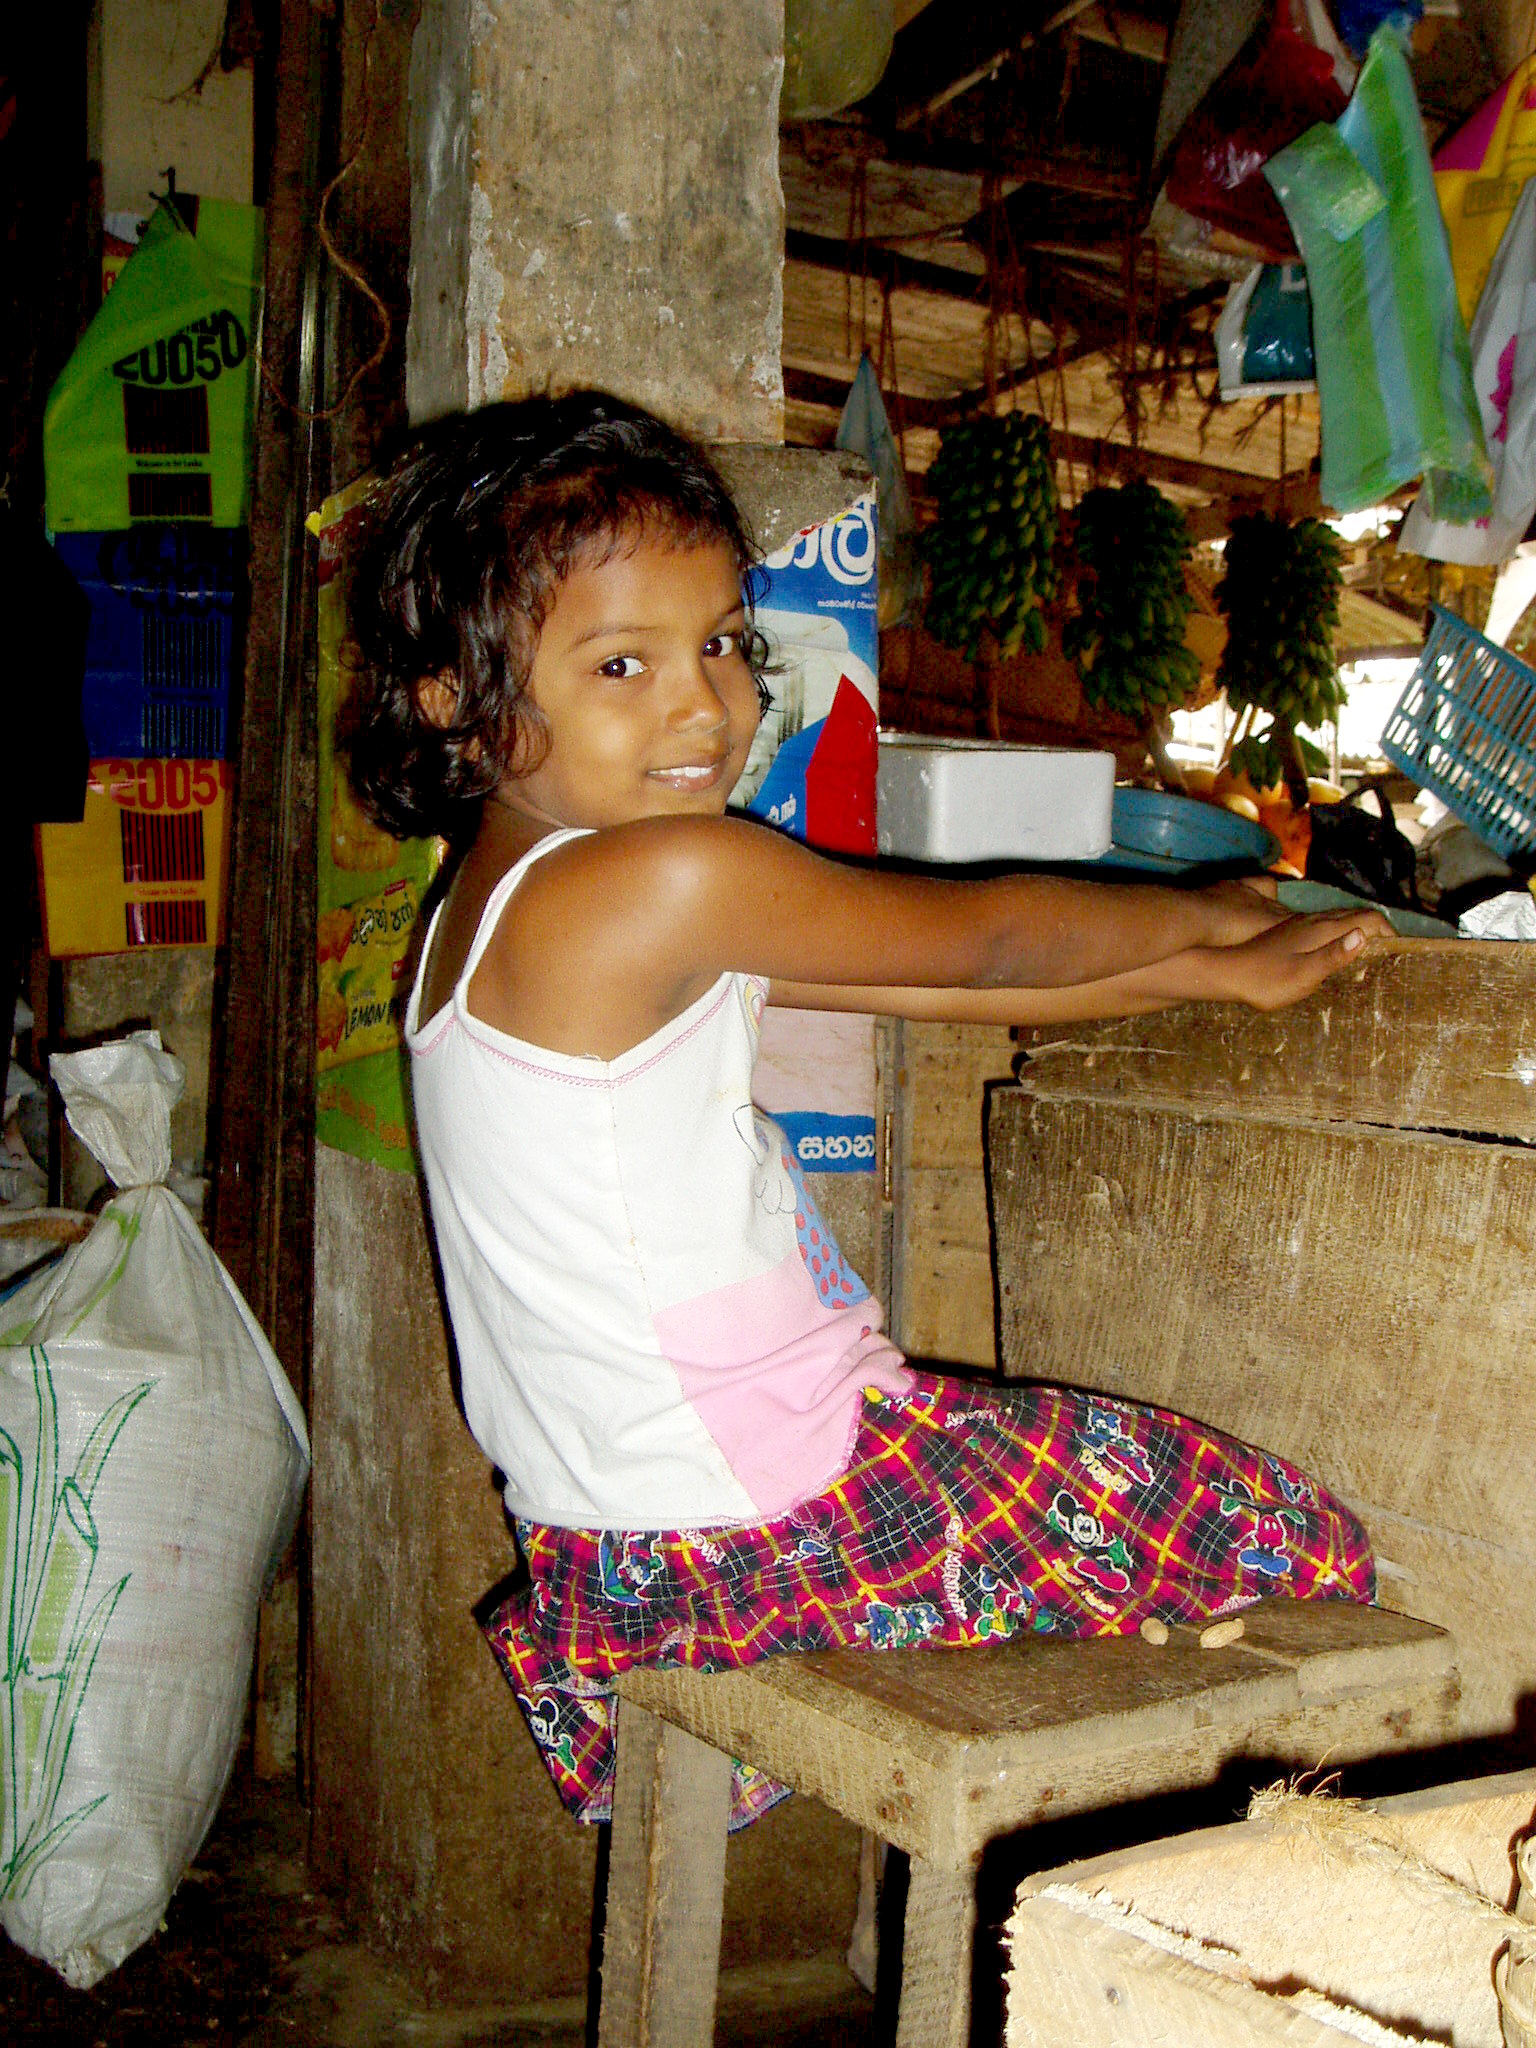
(941, 1751)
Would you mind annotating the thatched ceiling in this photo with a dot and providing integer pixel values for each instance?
(1007, 159)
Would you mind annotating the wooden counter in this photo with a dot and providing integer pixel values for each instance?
(1316, 1230)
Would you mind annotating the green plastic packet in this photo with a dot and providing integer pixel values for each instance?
(1394, 370)
(150, 419)
(371, 890)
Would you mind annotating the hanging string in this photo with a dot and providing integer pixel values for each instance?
(885, 366)
(1283, 471)
(351, 271)
(1066, 419)
(858, 239)
(989, 324)
(1130, 393)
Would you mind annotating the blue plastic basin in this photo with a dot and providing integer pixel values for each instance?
(1159, 832)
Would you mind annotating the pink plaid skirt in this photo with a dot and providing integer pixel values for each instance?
(966, 1514)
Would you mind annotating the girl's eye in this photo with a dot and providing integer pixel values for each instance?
(721, 644)
(620, 667)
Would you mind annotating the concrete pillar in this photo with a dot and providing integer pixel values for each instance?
(596, 201)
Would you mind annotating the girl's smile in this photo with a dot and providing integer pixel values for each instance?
(642, 682)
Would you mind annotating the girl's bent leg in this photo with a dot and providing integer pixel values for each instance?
(968, 1514)
(1077, 1514)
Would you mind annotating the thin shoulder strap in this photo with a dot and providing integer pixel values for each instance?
(496, 902)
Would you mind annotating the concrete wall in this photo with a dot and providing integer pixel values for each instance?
(156, 101)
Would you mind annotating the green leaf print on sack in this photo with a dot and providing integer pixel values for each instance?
(48, 1547)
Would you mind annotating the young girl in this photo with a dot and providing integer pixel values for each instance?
(710, 1449)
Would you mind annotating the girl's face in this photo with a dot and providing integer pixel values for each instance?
(644, 689)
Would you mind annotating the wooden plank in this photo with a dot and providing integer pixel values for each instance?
(941, 342)
(1484, 1593)
(1074, 1978)
(945, 1300)
(936, 1958)
(1361, 1302)
(947, 1318)
(1291, 1902)
(666, 1881)
(935, 1078)
(941, 1750)
(262, 1142)
(1463, 1829)
(1424, 1034)
(942, 1070)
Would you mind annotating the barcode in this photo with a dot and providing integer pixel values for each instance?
(195, 731)
(183, 653)
(167, 924)
(161, 848)
(177, 496)
(165, 422)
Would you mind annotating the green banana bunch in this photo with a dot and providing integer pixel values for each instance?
(1280, 594)
(990, 553)
(1126, 638)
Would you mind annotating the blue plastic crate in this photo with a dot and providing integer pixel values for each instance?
(1465, 728)
(160, 653)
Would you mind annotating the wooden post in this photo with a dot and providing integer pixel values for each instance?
(936, 1957)
(666, 1880)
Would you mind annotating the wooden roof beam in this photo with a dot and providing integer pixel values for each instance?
(892, 267)
(1119, 458)
(1109, 458)
(1070, 293)
(838, 145)
(1120, 28)
(990, 65)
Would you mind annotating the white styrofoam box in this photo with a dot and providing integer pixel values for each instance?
(977, 800)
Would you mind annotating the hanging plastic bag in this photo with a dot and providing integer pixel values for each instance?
(1479, 174)
(152, 1459)
(1264, 334)
(1281, 85)
(865, 430)
(1359, 19)
(1394, 372)
(1503, 345)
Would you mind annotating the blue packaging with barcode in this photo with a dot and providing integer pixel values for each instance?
(160, 652)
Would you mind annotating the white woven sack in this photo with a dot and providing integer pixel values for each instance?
(152, 1459)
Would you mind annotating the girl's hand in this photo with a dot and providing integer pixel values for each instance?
(1243, 910)
(1286, 961)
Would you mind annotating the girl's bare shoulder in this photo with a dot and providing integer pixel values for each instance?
(600, 943)
(652, 868)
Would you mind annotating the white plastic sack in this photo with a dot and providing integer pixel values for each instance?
(1503, 342)
(152, 1458)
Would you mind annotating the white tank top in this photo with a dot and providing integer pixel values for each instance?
(654, 1328)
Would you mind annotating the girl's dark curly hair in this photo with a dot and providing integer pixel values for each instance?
(472, 532)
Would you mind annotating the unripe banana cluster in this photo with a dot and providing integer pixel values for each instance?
(1280, 594)
(1127, 636)
(990, 551)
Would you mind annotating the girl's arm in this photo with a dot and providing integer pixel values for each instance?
(1278, 967)
(616, 933)
(685, 898)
